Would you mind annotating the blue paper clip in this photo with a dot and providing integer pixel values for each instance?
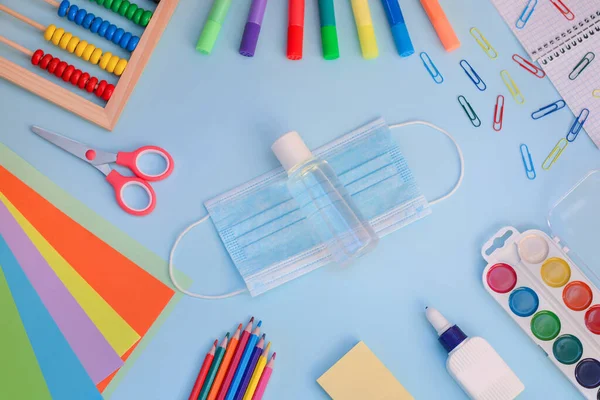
(527, 162)
(549, 109)
(577, 125)
(526, 14)
(473, 76)
(431, 68)
(469, 111)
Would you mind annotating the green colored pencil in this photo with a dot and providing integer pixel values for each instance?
(214, 368)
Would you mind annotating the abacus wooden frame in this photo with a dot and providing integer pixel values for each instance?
(106, 116)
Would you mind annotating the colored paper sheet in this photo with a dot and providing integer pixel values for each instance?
(64, 375)
(97, 356)
(361, 375)
(26, 178)
(112, 326)
(20, 374)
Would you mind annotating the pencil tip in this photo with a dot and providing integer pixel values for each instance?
(259, 324)
(263, 336)
(216, 342)
(240, 326)
(227, 336)
(252, 319)
(274, 355)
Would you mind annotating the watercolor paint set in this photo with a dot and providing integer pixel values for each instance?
(552, 298)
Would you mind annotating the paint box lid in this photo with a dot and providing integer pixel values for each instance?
(575, 221)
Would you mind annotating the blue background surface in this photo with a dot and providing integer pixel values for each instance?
(218, 116)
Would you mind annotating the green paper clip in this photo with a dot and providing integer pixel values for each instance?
(469, 111)
(582, 65)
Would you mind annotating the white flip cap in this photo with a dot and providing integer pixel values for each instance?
(290, 150)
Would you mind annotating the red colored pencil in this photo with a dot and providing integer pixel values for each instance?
(203, 372)
(236, 360)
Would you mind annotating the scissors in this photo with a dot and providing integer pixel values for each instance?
(101, 160)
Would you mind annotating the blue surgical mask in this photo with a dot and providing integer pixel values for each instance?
(265, 232)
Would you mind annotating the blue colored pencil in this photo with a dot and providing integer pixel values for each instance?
(239, 372)
(256, 353)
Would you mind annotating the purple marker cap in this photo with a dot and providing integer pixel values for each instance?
(252, 29)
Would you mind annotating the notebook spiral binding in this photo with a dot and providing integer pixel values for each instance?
(585, 29)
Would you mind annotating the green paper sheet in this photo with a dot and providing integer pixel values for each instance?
(21, 378)
(107, 232)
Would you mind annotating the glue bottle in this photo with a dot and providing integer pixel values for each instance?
(473, 362)
(324, 201)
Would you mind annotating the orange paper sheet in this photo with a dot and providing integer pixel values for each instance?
(133, 293)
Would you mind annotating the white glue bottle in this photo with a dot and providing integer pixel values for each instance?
(473, 362)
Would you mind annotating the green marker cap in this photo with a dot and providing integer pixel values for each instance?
(208, 37)
(329, 39)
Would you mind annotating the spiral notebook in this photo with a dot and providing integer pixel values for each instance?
(563, 37)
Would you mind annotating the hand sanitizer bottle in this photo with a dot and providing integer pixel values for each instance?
(324, 201)
(474, 364)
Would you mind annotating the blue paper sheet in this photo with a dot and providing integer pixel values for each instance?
(65, 376)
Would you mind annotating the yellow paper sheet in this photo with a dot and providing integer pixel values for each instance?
(115, 329)
(359, 375)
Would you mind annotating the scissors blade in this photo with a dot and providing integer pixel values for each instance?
(79, 150)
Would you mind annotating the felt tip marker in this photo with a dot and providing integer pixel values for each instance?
(212, 27)
(398, 26)
(364, 25)
(329, 37)
(441, 24)
(295, 29)
(252, 28)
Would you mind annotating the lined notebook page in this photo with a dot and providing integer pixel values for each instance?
(558, 45)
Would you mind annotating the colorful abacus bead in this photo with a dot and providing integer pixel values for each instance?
(97, 25)
(86, 51)
(69, 73)
(131, 11)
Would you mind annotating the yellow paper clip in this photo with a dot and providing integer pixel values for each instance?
(555, 153)
(512, 87)
(483, 43)
(596, 93)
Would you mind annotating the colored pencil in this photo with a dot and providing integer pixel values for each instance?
(239, 372)
(214, 368)
(231, 347)
(260, 367)
(264, 379)
(203, 372)
(256, 353)
(237, 356)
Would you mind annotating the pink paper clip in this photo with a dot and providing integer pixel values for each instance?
(529, 66)
(499, 113)
(564, 10)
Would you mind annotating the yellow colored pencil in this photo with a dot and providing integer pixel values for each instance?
(260, 366)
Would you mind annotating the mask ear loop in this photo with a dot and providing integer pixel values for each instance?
(458, 150)
(172, 268)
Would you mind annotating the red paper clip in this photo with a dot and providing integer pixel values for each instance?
(529, 66)
(564, 10)
(499, 113)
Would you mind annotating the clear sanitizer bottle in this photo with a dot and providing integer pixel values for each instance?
(324, 201)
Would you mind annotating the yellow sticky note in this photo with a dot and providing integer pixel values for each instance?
(360, 375)
(113, 327)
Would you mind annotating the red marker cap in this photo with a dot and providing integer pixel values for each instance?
(295, 29)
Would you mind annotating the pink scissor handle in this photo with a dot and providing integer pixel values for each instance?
(130, 160)
(120, 183)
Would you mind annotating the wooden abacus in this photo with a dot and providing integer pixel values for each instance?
(130, 71)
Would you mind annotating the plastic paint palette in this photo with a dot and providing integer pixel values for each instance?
(544, 291)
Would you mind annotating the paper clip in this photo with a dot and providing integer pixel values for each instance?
(549, 109)
(555, 153)
(577, 125)
(473, 76)
(469, 111)
(512, 87)
(596, 93)
(583, 64)
(529, 66)
(431, 68)
(564, 10)
(483, 43)
(498, 113)
(526, 14)
(527, 162)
